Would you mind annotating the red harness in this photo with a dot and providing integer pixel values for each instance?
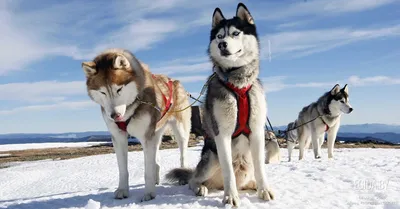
(167, 102)
(243, 103)
(326, 125)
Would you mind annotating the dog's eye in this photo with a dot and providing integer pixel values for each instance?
(342, 101)
(235, 33)
(219, 36)
(119, 90)
(103, 92)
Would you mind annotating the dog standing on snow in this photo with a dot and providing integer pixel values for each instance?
(133, 101)
(325, 115)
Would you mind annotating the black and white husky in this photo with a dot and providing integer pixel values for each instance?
(320, 117)
(234, 114)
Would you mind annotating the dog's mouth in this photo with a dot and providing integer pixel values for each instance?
(226, 53)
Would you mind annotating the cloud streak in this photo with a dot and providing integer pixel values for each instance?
(56, 106)
(306, 42)
(277, 83)
(312, 8)
(42, 91)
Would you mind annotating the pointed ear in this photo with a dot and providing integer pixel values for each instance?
(121, 62)
(89, 68)
(345, 89)
(335, 89)
(217, 17)
(243, 13)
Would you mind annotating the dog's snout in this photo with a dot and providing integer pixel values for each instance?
(115, 115)
(222, 45)
(350, 110)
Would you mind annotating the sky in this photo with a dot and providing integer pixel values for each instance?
(314, 44)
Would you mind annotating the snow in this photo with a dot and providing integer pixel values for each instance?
(357, 178)
(13, 147)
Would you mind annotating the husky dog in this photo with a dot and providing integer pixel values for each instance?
(133, 101)
(234, 114)
(272, 148)
(324, 115)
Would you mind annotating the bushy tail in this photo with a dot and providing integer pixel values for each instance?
(180, 175)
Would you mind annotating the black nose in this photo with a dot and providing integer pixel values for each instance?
(222, 45)
(115, 115)
(351, 110)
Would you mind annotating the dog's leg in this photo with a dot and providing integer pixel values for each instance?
(321, 140)
(150, 168)
(332, 132)
(158, 138)
(205, 169)
(257, 144)
(224, 148)
(182, 136)
(315, 144)
(290, 146)
(120, 144)
(303, 137)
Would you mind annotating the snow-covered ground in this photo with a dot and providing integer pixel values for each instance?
(357, 178)
(12, 147)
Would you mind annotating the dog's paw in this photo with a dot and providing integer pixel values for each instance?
(231, 199)
(198, 189)
(148, 196)
(318, 157)
(202, 191)
(265, 194)
(121, 193)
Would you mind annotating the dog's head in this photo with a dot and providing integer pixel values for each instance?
(233, 42)
(340, 102)
(113, 81)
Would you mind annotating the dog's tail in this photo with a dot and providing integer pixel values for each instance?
(180, 175)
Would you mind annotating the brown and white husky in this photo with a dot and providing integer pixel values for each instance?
(136, 102)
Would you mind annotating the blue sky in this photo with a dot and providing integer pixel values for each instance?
(314, 44)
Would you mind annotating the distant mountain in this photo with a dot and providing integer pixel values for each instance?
(55, 135)
(389, 137)
(390, 133)
(363, 128)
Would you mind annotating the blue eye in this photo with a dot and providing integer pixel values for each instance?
(219, 36)
(235, 33)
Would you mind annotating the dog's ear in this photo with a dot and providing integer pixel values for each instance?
(335, 90)
(121, 62)
(345, 89)
(243, 13)
(89, 68)
(217, 17)
(144, 65)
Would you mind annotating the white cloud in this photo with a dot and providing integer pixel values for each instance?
(78, 30)
(307, 42)
(376, 80)
(277, 83)
(191, 79)
(314, 8)
(42, 91)
(47, 107)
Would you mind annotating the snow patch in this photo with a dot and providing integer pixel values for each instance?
(356, 178)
